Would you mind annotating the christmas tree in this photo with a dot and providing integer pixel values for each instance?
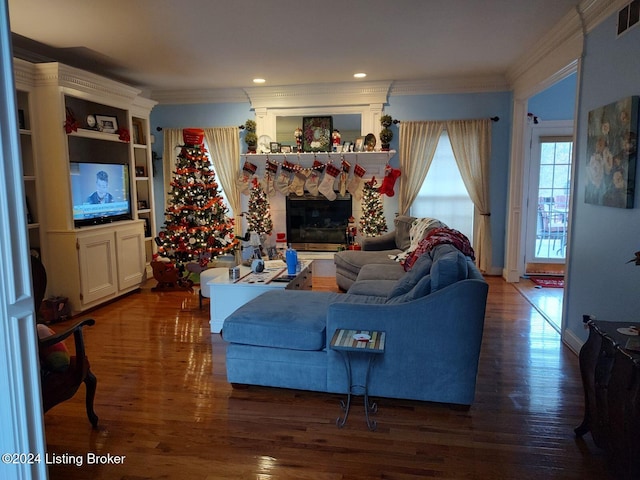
(259, 216)
(197, 226)
(372, 221)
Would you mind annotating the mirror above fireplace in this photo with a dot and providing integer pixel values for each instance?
(349, 126)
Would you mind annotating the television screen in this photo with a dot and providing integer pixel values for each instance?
(100, 193)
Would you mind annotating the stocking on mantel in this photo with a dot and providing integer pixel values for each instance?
(283, 180)
(268, 185)
(389, 181)
(297, 184)
(313, 180)
(244, 179)
(344, 176)
(326, 185)
(354, 185)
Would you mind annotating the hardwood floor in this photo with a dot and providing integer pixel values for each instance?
(164, 403)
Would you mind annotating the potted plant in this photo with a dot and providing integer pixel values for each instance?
(386, 135)
(250, 138)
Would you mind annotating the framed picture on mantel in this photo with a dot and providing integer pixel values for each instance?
(316, 134)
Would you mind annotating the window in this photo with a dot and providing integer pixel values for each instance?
(443, 194)
(221, 191)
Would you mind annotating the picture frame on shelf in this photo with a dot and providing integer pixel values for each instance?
(285, 149)
(274, 147)
(137, 132)
(316, 134)
(141, 171)
(107, 123)
(359, 145)
(142, 205)
(346, 146)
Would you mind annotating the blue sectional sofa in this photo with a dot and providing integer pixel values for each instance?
(433, 317)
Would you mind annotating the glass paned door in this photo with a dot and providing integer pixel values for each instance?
(550, 201)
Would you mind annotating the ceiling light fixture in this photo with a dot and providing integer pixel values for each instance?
(359, 75)
(259, 80)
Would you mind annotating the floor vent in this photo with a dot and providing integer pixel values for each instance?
(629, 16)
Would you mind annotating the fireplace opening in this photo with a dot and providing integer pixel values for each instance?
(317, 224)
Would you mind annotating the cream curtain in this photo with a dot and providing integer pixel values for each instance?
(224, 149)
(418, 142)
(471, 145)
(172, 143)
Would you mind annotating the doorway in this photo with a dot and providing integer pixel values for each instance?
(549, 198)
(548, 213)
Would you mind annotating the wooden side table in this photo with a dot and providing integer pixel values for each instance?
(358, 342)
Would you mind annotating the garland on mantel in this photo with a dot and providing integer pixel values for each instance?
(317, 164)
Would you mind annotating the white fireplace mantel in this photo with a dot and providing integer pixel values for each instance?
(363, 98)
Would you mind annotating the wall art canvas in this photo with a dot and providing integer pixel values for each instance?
(611, 154)
(316, 134)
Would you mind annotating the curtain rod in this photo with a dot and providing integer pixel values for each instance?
(493, 119)
(159, 129)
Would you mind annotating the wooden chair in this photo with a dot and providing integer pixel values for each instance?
(59, 386)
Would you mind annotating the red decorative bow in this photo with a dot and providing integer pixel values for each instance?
(123, 135)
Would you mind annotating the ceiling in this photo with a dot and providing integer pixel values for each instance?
(164, 45)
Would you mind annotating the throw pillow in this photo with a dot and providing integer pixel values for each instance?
(411, 278)
(422, 288)
(56, 357)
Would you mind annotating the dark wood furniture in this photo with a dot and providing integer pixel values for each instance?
(611, 379)
(58, 387)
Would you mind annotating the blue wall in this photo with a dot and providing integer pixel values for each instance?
(599, 280)
(557, 102)
(423, 107)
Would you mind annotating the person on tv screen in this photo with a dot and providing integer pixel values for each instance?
(101, 195)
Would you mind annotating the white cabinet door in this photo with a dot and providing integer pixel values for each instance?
(98, 276)
(131, 256)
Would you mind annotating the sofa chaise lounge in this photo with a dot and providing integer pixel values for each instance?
(433, 317)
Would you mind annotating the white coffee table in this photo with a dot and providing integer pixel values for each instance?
(227, 295)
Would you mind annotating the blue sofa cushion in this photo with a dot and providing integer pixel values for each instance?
(448, 268)
(381, 271)
(422, 288)
(379, 288)
(412, 277)
(294, 320)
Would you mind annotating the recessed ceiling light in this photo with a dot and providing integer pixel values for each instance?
(359, 75)
(259, 80)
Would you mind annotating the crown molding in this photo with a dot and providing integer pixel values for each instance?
(330, 94)
(60, 75)
(213, 95)
(561, 47)
(23, 73)
(565, 33)
(488, 83)
(595, 12)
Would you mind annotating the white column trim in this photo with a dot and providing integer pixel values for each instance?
(21, 414)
